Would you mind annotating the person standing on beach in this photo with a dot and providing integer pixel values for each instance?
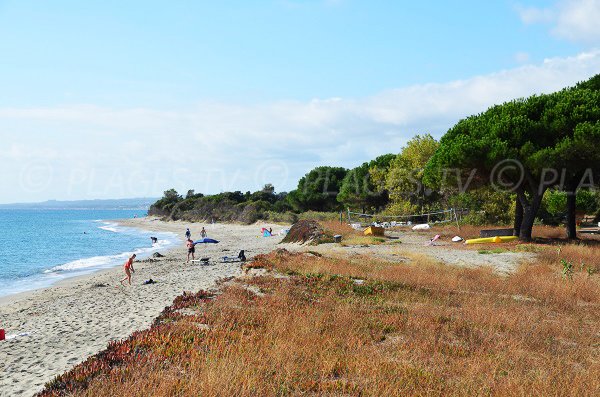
(188, 234)
(128, 269)
(191, 249)
(203, 232)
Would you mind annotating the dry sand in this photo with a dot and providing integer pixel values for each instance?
(75, 319)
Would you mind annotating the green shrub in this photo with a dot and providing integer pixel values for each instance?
(287, 217)
(319, 216)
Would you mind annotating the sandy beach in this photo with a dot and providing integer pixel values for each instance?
(63, 325)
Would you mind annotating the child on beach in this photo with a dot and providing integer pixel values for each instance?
(128, 269)
(188, 234)
(203, 232)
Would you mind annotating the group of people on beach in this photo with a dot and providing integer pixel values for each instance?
(128, 265)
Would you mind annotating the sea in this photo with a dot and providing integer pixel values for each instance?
(39, 247)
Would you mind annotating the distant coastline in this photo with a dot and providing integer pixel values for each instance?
(141, 203)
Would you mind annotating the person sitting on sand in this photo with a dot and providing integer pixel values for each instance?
(128, 269)
(203, 232)
(191, 249)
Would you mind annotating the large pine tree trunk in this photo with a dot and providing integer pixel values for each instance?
(525, 234)
(571, 225)
(518, 217)
(530, 210)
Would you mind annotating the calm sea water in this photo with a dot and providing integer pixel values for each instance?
(40, 247)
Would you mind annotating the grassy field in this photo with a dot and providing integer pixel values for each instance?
(363, 327)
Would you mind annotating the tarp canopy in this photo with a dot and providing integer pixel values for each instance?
(206, 240)
(266, 232)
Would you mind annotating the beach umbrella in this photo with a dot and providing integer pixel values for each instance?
(206, 240)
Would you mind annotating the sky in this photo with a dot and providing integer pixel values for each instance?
(113, 99)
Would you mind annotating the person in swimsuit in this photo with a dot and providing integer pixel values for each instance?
(203, 233)
(128, 269)
(191, 249)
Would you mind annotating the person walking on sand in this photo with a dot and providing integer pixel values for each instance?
(128, 269)
(191, 249)
(203, 232)
(188, 234)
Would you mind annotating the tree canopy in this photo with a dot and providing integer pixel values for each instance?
(318, 190)
(360, 187)
(404, 180)
(526, 146)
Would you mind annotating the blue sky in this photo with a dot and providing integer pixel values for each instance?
(122, 99)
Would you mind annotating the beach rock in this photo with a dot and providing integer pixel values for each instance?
(157, 255)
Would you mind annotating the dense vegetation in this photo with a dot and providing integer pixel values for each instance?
(524, 161)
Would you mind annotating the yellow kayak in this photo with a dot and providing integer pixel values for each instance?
(497, 239)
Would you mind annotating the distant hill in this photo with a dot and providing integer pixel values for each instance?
(122, 204)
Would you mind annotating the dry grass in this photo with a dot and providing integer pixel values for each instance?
(343, 229)
(418, 329)
(366, 240)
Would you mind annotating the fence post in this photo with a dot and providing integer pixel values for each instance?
(456, 218)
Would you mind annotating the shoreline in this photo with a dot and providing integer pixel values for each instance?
(69, 280)
(77, 317)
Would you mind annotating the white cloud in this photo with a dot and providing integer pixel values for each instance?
(579, 20)
(89, 151)
(575, 20)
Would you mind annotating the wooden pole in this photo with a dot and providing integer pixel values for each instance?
(456, 218)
